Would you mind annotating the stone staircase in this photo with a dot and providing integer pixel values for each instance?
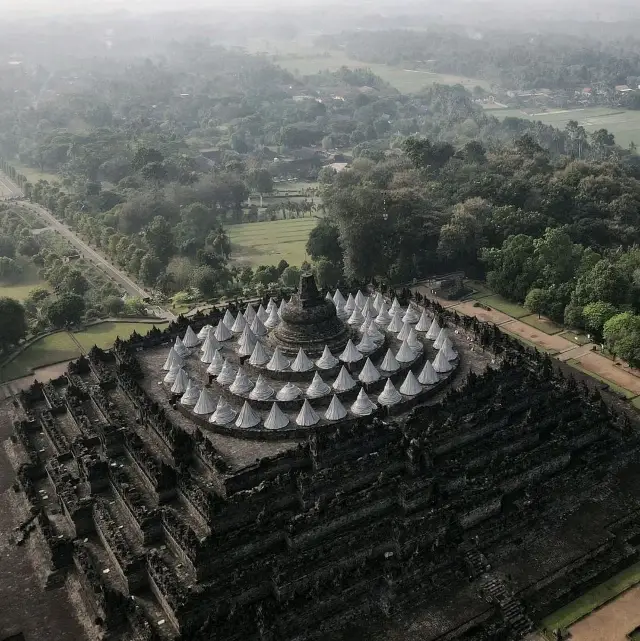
(513, 612)
(477, 563)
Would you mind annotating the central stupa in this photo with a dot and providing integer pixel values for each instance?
(309, 321)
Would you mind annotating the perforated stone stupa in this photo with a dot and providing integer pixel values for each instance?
(309, 321)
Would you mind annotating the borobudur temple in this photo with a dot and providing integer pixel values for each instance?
(369, 466)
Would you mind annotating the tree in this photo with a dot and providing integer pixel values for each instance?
(260, 180)
(536, 301)
(64, 310)
(282, 265)
(596, 315)
(113, 306)
(144, 156)
(74, 283)
(324, 242)
(622, 337)
(154, 172)
(205, 280)
(150, 269)
(327, 273)
(7, 247)
(290, 277)
(158, 235)
(461, 237)
(9, 270)
(13, 327)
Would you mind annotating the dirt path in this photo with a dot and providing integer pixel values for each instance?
(612, 622)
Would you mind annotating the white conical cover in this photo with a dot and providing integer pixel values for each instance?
(289, 392)
(247, 342)
(274, 318)
(365, 324)
(339, 299)
(302, 362)
(216, 364)
(271, 305)
(390, 362)
(360, 299)
(222, 333)
(327, 360)
(350, 354)
(374, 333)
(172, 359)
(257, 327)
(277, 419)
(206, 402)
(395, 306)
(180, 384)
(428, 375)
(368, 309)
(181, 350)
(448, 350)
(239, 324)
(191, 396)
(441, 363)
(439, 342)
(242, 384)
(383, 318)
(342, 313)
(335, 411)
(209, 339)
(350, 304)
(424, 323)
(411, 315)
(414, 342)
(262, 313)
(377, 301)
(210, 350)
(190, 338)
(262, 390)
(259, 355)
(404, 332)
(278, 362)
(228, 373)
(366, 344)
(369, 373)
(329, 297)
(307, 416)
(172, 374)
(249, 313)
(356, 317)
(363, 405)
(281, 308)
(405, 353)
(318, 387)
(434, 330)
(247, 417)
(224, 413)
(390, 395)
(410, 387)
(228, 319)
(204, 332)
(344, 381)
(396, 323)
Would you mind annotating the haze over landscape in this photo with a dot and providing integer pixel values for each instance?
(319, 321)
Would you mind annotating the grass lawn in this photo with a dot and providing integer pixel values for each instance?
(543, 324)
(593, 599)
(502, 305)
(575, 337)
(624, 124)
(104, 334)
(29, 280)
(34, 175)
(616, 388)
(46, 351)
(267, 243)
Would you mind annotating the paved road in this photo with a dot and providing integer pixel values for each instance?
(85, 250)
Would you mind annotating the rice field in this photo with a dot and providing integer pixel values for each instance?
(624, 124)
(268, 243)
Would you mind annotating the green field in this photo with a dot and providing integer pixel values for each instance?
(268, 243)
(28, 281)
(303, 60)
(503, 305)
(625, 125)
(104, 334)
(593, 599)
(46, 351)
(62, 347)
(543, 324)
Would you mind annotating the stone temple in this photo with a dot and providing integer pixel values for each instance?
(362, 467)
